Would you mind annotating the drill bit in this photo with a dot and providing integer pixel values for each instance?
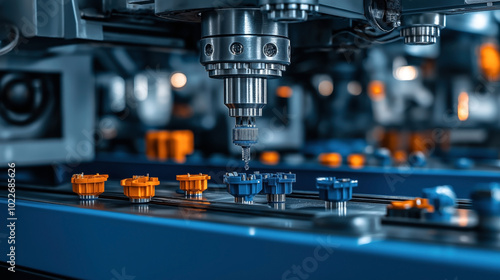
(245, 156)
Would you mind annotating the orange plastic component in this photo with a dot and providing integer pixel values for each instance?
(164, 144)
(140, 188)
(392, 140)
(400, 157)
(193, 185)
(421, 203)
(420, 142)
(330, 159)
(88, 186)
(356, 161)
(270, 158)
(489, 61)
(151, 144)
(157, 144)
(181, 144)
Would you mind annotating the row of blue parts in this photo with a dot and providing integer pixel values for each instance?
(486, 198)
(241, 185)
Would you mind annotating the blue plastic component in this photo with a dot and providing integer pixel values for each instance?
(383, 157)
(417, 159)
(239, 185)
(464, 163)
(331, 189)
(279, 183)
(486, 199)
(443, 199)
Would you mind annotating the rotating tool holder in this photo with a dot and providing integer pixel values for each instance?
(278, 185)
(243, 187)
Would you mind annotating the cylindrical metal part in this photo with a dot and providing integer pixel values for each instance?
(242, 200)
(339, 207)
(276, 198)
(87, 202)
(335, 205)
(255, 49)
(421, 35)
(422, 29)
(278, 206)
(243, 43)
(88, 197)
(140, 200)
(141, 208)
(245, 136)
(241, 22)
(192, 194)
(245, 48)
(289, 11)
(245, 97)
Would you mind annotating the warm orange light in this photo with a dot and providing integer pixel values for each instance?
(376, 90)
(284, 92)
(463, 106)
(178, 80)
(354, 88)
(330, 159)
(356, 161)
(325, 87)
(489, 61)
(270, 158)
(406, 73)
(463, 218)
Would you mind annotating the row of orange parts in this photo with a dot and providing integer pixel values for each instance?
(139, 189)
(175, 145)
(335, 160)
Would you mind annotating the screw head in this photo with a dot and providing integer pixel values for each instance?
(209, 49)
(270, 49)
(236, 48)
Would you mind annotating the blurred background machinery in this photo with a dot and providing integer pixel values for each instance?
(399, 98)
